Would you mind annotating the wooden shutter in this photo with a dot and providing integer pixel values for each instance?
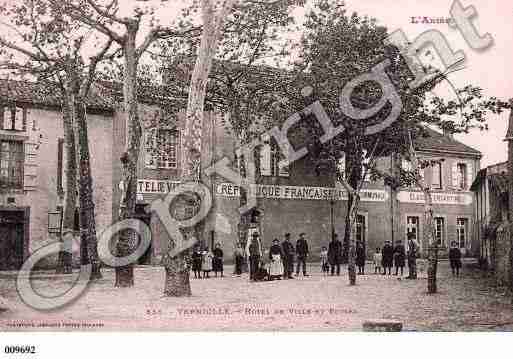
(454, 175)
(283, 171)
(470, 175)
(30, 167)
(342, 165)
(18, 119)
(150, 159)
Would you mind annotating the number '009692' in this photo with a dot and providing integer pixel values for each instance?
(20, 349)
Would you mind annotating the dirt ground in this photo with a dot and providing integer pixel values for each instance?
(315, 303)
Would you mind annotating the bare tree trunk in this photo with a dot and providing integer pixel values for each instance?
(177, 269)
(87, 217)
(70, 197)
(428, 218)
(351, 253)
(127, 238)
(510, 204)
(429, 238)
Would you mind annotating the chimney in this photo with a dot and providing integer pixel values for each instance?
(448, 133)
(509, 132)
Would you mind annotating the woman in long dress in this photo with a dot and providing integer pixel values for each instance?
(206, 265)
(276, 257)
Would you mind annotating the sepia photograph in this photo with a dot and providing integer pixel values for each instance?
(255, 166)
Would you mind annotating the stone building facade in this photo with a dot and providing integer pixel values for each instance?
(294, 199)
(32, 173)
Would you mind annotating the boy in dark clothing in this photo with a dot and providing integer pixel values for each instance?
(217, 262)
(399, 257)
(335, 254)
(388, 257)
(196, 262)
(455, 259)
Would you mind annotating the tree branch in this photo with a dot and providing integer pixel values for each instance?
(106, 14)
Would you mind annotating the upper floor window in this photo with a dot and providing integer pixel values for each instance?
(161, 147)
(11, 164)
(270, 157)
(440, 231)
(462, 232)
(462, 175)
(13, 118)
(436, 176)
(413, 226)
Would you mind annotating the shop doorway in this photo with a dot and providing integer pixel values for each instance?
(12, 237)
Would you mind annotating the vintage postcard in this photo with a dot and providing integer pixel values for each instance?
(243, 165)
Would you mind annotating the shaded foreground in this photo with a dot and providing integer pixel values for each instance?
(313, 303)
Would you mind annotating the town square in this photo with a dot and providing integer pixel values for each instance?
(255, 165)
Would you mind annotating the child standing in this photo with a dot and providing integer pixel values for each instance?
(196, 262)
(217, 264)
(325, 267)
(206, 265)
(378, 258)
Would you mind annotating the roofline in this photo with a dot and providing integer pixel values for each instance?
(93, 110)
(476, 154)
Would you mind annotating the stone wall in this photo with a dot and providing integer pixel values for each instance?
(501, 260)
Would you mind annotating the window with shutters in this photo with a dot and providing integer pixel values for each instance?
(161, 147)
(270, 157)
(413, 226)
(14, 118)
(461, 232)
(11, 164)
(440, 231)
(341, 166)
(461, 176)
(436, 176)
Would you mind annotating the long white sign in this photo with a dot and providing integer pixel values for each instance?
(156, 186)
(299, 192)
(438, 198)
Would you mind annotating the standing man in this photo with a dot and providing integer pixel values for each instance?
(302, 254)
(254, 253)
(388, 257)
(288, 257)
(335, 254)
(413, 248)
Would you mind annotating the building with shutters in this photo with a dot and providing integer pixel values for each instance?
(32, 170)
(290, 199)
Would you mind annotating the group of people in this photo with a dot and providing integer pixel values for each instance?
(205, 261)
(391, 256)
(281, 258)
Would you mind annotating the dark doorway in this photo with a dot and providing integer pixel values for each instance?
(11, 239)
(141, 214)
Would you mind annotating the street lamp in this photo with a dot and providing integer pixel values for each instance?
(55, 222)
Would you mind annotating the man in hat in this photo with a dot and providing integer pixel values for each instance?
(288, 257)
(254, 253)
(302, 254)
(388, 257)
(412, 253)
